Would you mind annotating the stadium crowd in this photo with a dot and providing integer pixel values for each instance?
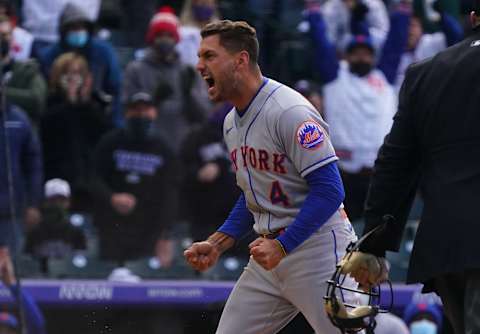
(117, 154)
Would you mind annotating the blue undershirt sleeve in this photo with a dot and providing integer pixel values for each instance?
(324, 197)
(240, 220)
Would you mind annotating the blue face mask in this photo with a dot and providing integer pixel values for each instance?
(77, 39)
(423, 327)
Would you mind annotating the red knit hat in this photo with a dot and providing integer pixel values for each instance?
(164, 21)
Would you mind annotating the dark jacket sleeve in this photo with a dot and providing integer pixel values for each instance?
(32, 167)
(395, 45)
(131, 79)
(113, 84)
(27, 89)
(191, 161)
(326, 60)
(195, 100)
(102, 169)
(168, 209)
(47, 57)
(395, 176)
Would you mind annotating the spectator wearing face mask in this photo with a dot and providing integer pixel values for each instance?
(77, 117)
(423, 318)
(195, 15)
(76, 35)
(359, 105)
(25, 84)
(55, 236)
(41, 19)
(136, 187)
(178, 91)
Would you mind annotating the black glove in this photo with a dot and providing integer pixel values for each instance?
(188, 80)
(163, 91)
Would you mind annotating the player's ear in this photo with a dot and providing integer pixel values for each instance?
(243, 59)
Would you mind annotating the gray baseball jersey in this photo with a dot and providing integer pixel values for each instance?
(278, 140)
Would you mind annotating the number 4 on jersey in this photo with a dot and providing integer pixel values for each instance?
(277, 195)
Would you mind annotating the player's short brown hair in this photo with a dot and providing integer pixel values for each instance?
(235, 36)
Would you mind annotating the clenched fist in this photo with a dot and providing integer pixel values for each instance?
(202, 255)
(267, 252)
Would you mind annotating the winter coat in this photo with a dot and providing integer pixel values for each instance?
(26, 87)
(179, 91)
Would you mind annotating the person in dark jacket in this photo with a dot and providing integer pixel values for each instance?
(27, 174)
(434, 144)
(179, 92)
(209, 188)
(77, 117)
(55, 236)
(136, 186)
(76, 34)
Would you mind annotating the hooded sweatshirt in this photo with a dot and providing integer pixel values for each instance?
(41, 17)
(179, 91)
(100, 56)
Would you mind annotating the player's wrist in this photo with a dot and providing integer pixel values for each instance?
(221, 241)
(281, 247)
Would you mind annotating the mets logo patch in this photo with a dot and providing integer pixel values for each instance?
(310, 135)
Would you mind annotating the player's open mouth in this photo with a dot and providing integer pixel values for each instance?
(210, 82)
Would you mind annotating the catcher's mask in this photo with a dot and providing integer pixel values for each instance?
(353, 318)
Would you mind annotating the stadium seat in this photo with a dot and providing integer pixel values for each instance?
(79, 266)
(83, 221)
(28, 267)
(150, 268)
(229, 268)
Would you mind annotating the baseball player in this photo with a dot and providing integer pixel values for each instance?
(291, 191)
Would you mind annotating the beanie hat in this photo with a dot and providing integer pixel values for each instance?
(164, 20)
(415, 309)
(73, 14)
(360, 41)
